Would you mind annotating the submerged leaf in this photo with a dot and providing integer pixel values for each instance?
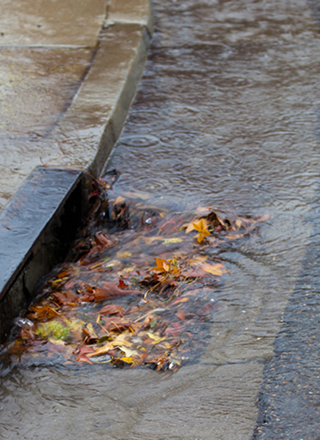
(66, 298)
(92, 304)
(53, 329)
(172, 240)
(112, 309)
(42, 312)
(156, 338)
(215, 269)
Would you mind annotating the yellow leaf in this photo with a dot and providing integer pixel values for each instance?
(172, 240)
(91, 332)
(214, 269)
(59, 280)
(128, 351)
(127, 360)
(75, 325)
(120, 341)
(198, 260)
(56, 341)
(123, 254)
(97, 265)
(101, 350)
(202, 227)
(119, 199)
(156, 338)
(190, 227)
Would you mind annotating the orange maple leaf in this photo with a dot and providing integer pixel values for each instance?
(163, 266)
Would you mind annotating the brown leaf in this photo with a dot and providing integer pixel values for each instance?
(42, 312)
(206, 309)
(102, 240)
(182, 315)
(175, 329)
(112, 309)
(90, 334)
(116, 324)
(67, 297)
(111, 290)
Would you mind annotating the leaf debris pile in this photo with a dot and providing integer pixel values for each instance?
(140, 291)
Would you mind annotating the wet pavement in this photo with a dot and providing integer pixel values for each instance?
(226, 115)
(60, 105)
(51, 22)
(45, 51)
(47, 78)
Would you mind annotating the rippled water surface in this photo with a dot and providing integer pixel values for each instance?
(226, 114)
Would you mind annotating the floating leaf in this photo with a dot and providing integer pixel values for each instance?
(67, 298)
(202, 227)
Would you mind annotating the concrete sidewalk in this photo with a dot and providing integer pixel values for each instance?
(68, 73)
(69, 70)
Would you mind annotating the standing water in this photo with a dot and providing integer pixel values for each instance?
(226, 115)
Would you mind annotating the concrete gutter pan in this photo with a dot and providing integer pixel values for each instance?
(38, 224)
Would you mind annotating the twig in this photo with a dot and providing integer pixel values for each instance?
(149, 313)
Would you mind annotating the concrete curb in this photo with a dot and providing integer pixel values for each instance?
(39, 223)
(92, 124)
(35, 230)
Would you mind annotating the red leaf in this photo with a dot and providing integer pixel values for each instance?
(83, 350)
(122, 284)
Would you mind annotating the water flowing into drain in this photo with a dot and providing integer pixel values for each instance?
(144, 295)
